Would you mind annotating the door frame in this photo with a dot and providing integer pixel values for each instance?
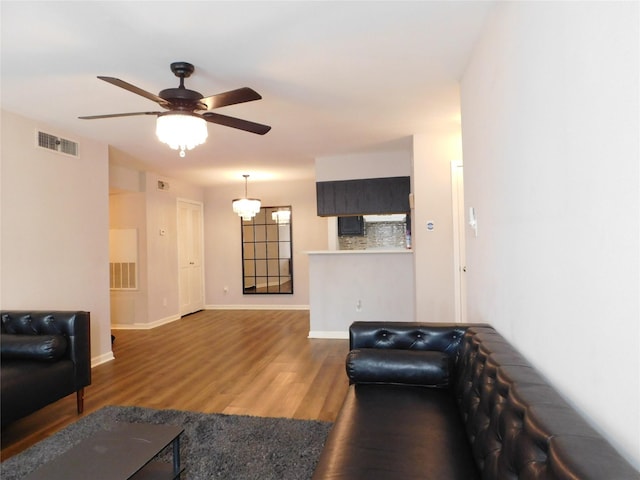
(459, 252)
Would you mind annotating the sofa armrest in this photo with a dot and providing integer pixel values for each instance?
(80, 346)
(399, 367)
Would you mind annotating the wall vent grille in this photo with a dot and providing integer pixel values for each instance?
(57, 144)
(122, 276)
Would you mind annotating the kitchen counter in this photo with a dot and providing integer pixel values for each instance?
(350, 285)
(369, 251)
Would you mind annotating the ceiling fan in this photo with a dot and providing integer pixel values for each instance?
(183, 124)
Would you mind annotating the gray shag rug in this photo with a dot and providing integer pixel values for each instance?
(212, 447)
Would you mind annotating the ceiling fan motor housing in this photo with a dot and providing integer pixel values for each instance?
(183, 99)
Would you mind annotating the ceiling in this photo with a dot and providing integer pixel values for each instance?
(335, 77)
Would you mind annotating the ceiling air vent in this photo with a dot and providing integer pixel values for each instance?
(57, 144)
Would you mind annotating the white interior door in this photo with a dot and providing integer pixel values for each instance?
(459, 255)
(190, 255)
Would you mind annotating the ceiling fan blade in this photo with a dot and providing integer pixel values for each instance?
(236, 123)
(112, 115)
(132, 88)
(240, 95)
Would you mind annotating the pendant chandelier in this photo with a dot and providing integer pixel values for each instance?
(281, 217)
(245, 207)
(181, 130)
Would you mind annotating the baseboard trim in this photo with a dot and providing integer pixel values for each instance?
(100, 359)
(328, 334)
(256, 307)
(145, 326)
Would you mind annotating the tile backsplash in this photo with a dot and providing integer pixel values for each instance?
(376, 235)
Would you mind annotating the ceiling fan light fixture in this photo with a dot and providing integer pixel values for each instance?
(245, 207)
(181, 130)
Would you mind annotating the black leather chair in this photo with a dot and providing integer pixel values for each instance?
(46, 355)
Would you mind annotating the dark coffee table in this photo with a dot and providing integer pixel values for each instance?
(125, 451)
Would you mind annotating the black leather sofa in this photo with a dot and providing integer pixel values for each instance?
(452, 401)
(46, 355)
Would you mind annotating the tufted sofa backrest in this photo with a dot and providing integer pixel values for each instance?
(406, 336)
(519, 427)
(35, 323)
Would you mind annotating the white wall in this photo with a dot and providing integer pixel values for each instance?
(157, 300)
(434, 264)
(149, 210)
(223, 257)
(162, 250)
(551, 152)
(426, 157)
(128, 211)
(395, 163)
(54, 228)
(121, 178)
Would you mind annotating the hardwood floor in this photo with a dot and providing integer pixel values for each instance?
(234, 361)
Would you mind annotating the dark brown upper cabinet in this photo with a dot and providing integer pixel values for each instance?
(351, 226)
(369, 196)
